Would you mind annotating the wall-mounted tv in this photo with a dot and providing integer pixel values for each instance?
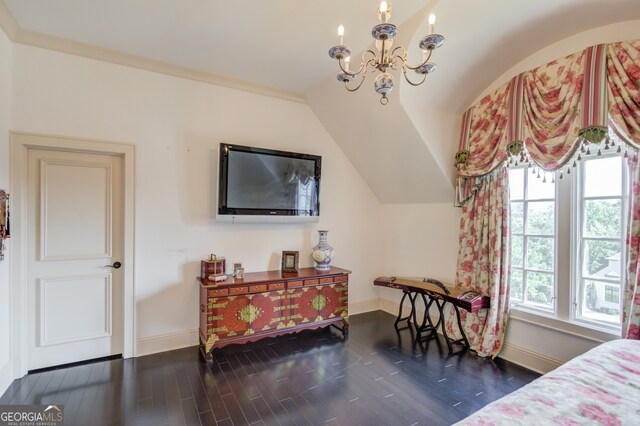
(256, 183)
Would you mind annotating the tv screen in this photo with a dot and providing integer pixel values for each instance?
(257, 181)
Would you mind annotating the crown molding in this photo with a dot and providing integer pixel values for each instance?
(7, 22)
(31, 38)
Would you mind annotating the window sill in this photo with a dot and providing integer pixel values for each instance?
(593, 333)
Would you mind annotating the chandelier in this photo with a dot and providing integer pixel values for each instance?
(385, 58)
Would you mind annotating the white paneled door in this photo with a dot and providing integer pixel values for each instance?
(75, 249)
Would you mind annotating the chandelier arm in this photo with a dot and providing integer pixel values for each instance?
(422, 64)
(363, 64)
(371, 62)
(346, 83)
(364, 75)
(375, 55)
(404, 51)
(424, 77)
(349, 72)
(402, 60)
(346, 86)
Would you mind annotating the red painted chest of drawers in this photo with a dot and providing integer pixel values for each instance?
(271, 303)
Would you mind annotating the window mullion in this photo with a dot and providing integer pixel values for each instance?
(579, 283)
(525, 240)
(624, 222)
(563, 247)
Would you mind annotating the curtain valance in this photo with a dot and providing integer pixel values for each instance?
(547, 114)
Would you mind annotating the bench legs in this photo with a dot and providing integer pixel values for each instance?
(450, 342)
(427, 326)
(412, 314)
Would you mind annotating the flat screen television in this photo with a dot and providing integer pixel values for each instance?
(256, 183)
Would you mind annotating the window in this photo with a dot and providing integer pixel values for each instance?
(567, 240)
(612, 294)
(532, 240)
(601, 183)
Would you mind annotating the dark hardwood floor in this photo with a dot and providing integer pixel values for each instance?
(375, 377)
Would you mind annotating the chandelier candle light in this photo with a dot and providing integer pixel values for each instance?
(385, 58)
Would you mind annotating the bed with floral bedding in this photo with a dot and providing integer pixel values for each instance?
(600, 387)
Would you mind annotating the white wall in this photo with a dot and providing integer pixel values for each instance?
(439, 131)
(421, 240)
(6, 60)
(176, 125)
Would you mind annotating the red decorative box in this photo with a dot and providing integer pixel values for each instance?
(213, 266)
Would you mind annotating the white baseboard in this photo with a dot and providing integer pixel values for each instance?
(392, 307)
(362, 306)
(167, 342)
(527, 358)
(389, 306)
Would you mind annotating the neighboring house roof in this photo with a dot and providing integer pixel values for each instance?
(612, 270)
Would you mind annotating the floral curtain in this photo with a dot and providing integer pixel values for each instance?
(486, 143)
(631, 293)
(547, 117)
(483, 263)
(542, 116)
(552, 95)
(482, 145)
(623, 84)
(623, 78)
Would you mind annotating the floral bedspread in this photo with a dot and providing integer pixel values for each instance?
(600, 387)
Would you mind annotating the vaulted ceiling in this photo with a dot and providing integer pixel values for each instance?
(279, 47)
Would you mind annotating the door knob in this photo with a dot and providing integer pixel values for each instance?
(116, 265)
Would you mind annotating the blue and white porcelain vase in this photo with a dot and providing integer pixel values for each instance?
(323, 252)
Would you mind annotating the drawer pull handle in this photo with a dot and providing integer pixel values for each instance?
(201, 307)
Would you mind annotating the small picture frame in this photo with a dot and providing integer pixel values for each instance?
(240, 274)
(236, 266)
(290, 261)
(4, 221)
